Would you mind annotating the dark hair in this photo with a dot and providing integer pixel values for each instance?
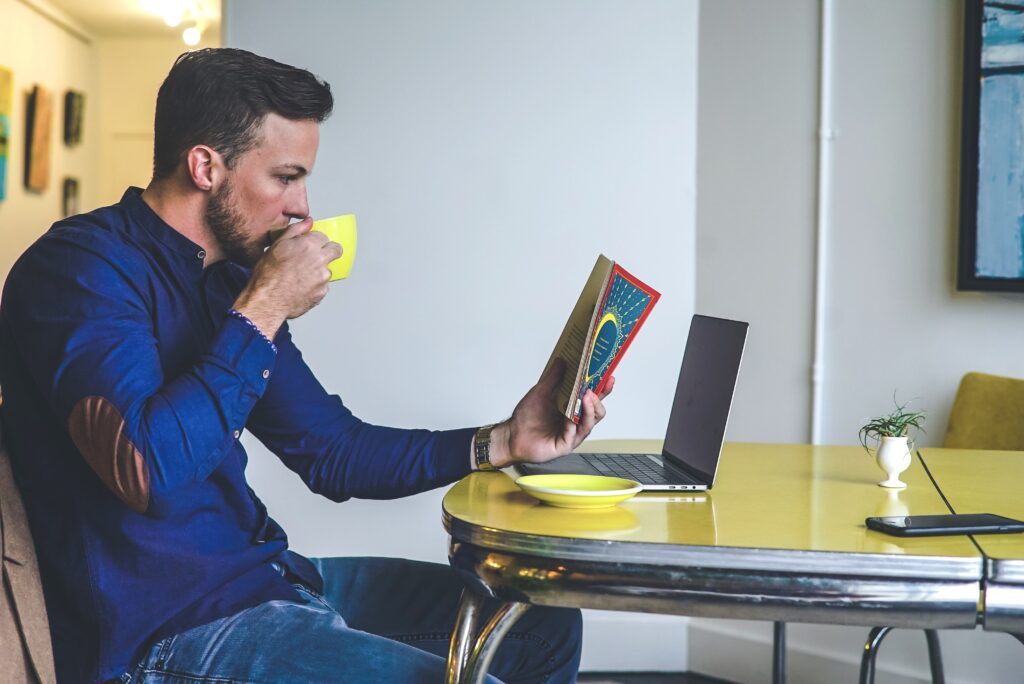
(220, 97)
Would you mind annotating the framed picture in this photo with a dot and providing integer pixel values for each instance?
(69, 198)
(74, 110)
(991, 254)
(6, 104)
(37, 139)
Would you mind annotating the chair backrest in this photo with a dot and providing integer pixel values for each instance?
(26, 653)
(988, 413)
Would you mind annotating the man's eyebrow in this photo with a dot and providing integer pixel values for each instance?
(297, 168)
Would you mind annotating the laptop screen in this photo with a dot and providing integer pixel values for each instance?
(707, 379)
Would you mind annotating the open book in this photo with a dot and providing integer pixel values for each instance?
(604, 321)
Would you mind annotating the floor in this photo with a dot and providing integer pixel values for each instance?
(648, 678)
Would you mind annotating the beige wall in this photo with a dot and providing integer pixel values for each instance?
(130, 71)
(120, 78)
(39, 52)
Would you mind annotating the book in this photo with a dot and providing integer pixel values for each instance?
(609, 312)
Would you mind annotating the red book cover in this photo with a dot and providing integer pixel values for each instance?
(625, 306)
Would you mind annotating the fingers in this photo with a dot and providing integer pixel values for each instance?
(592, 414)
(332, 251)
(298, 228)
(599, 410)
(609, 386)
(588, 417)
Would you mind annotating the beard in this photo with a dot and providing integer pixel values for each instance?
(225, 220)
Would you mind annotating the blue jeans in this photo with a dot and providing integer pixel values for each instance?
(379, 620)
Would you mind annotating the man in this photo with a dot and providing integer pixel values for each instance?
(138, 341)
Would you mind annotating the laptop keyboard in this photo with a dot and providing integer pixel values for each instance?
(630, 466)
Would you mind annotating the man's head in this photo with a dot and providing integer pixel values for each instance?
(245, 129)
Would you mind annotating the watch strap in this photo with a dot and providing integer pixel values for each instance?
(482, 448)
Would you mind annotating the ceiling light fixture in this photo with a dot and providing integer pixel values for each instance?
(197, 13)
(191, 36)
(173, 19)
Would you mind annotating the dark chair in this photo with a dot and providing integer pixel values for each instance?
(26, 653)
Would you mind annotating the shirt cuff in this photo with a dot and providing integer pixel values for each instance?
(242, 346)
(453, 448)
(245, 319)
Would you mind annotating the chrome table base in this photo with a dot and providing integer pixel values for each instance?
(924, 599)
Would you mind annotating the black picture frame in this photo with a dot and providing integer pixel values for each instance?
(69, 197)
(74, 111)
(974, 274)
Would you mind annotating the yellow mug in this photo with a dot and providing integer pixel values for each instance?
(340, 229)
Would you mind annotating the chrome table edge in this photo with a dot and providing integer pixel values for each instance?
(628, 585)
(1004, 595)
(717, 557)
(1005, 570)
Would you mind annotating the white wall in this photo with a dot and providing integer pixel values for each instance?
(895, 212)
(756, 162)
(894, 320)
(39, 52)
(490, 151)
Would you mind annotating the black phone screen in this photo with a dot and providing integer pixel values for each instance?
(967, 523)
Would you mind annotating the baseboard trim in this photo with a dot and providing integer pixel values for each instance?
(714, 648)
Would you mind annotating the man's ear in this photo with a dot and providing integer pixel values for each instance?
(204, 167)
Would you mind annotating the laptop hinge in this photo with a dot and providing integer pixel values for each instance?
(678, 464)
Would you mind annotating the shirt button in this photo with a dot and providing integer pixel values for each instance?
(237, 434)
(266, 373)
(201, 254)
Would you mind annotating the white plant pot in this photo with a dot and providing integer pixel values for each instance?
(893, 457)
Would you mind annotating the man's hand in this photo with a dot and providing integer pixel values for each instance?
(537, 430)
(290, 279)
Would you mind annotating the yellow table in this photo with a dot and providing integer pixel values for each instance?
(780, 537)
(989, 482)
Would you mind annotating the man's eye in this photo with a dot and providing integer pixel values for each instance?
(286, 179)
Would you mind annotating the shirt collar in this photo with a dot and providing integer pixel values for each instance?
(160, 230)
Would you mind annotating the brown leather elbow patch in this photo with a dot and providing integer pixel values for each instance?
(97, 429)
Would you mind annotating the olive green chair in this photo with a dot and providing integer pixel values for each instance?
(987, 413)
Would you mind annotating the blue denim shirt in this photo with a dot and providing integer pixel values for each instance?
(126, 385)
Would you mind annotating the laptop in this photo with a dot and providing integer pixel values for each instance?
(696, 425)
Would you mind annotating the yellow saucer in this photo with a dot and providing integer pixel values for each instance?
(578, 491)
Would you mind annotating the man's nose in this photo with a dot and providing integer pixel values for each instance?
(298, 204)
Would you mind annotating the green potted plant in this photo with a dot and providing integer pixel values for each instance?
(891, 436)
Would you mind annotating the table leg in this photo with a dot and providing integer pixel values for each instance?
(867, 661)
(779, 653)
(489, 640)
(935, 656)
(462, 636)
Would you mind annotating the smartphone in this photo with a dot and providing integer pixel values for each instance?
(925, 525)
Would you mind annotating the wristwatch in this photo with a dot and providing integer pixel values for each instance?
(482, 448)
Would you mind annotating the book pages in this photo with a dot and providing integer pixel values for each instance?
(573, 341)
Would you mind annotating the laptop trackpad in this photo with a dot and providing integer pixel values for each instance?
(571, 463)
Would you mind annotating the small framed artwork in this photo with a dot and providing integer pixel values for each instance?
(74, 110)
(69, 201)
(6, 104)
(37, 137)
